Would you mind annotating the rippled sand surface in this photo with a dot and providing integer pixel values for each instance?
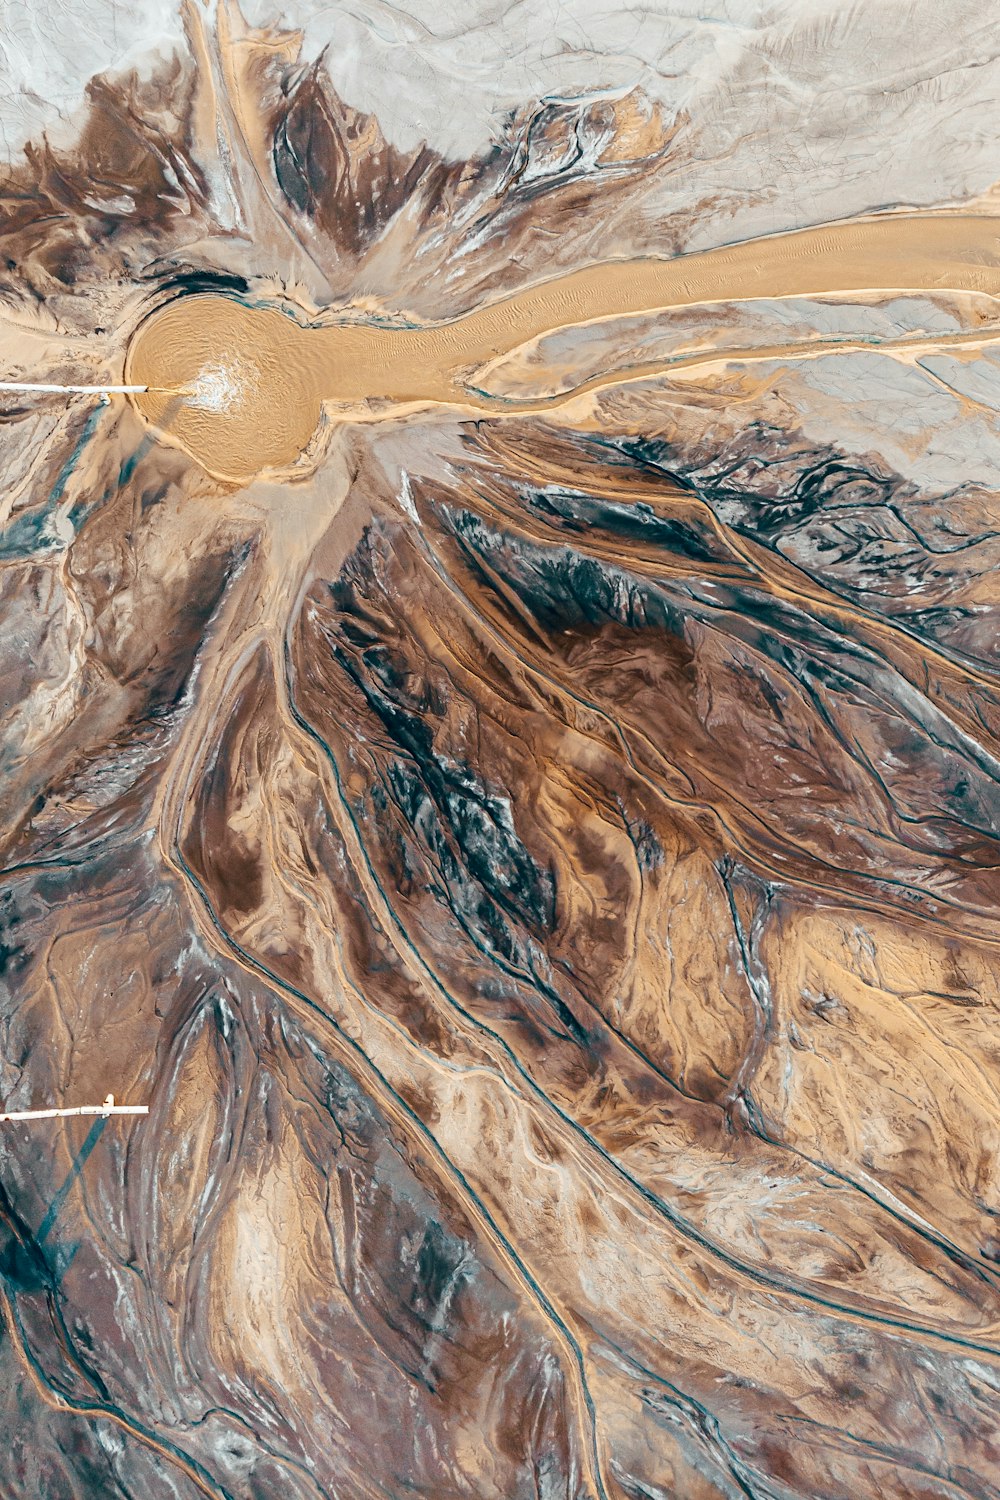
(500, 751)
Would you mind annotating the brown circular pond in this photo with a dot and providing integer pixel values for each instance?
(231, 385)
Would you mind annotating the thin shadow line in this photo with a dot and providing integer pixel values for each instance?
(93, 1136)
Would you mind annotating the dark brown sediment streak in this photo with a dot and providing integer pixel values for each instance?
(500, 749)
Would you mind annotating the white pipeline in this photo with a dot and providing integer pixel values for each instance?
(77, 390)
(109, 1107)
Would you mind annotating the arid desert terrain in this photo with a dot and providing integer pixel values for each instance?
(500, 751)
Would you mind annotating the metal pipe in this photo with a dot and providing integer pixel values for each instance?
(109, 1107)
(79, 390)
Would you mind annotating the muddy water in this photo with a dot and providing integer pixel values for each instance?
(241, 389)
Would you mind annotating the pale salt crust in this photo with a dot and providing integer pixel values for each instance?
(804, 110)
(49, 49)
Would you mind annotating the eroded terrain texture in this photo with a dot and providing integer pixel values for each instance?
(539, 864)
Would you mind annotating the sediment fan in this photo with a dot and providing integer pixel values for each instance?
(500, 729)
